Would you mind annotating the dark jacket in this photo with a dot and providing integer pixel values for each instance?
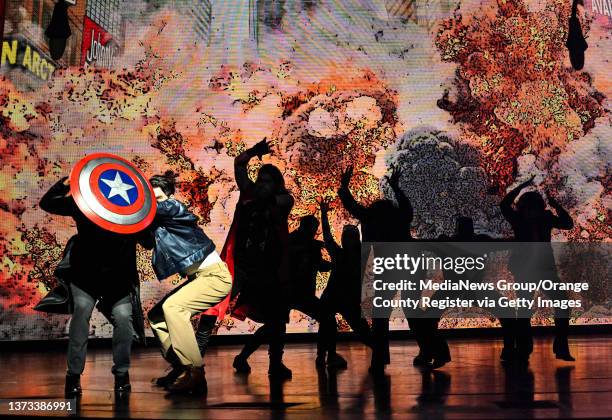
(102, 260)
(179, 242)
(59, 300)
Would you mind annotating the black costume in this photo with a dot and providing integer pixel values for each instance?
(343, 292)
(98, 265)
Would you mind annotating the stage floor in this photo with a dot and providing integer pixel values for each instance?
(474, 385)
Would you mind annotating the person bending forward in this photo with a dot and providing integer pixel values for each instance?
(180, 246)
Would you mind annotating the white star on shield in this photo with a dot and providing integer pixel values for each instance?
(118, 187)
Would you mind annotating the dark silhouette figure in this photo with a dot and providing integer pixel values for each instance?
(436, 348)
(58, 30)
(576, 43)
(305, 261)
(531, 222)
(102, 270)
(343, 292)
(382, 221)
(257, 253)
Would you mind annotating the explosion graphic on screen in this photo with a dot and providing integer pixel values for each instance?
(518, 109)
(513, 90)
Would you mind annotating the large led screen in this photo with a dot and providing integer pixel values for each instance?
(466, 98)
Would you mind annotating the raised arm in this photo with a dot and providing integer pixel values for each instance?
(242, 160)
(240, 169)
(348, 201)
(332, 246)
(58, 200)
(506, 204)
(562, 220)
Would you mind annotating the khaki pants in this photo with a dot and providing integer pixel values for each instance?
(172, 324)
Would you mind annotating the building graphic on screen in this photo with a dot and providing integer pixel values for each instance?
(201, 13)
(2, 8)
(103, 33)
(25, 47)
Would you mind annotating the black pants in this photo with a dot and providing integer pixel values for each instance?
(309, 305)
(380, 328)
(328, 330)
(273, 333)
(431, 344)
(123, 332)
(517, 332)
(314, 308)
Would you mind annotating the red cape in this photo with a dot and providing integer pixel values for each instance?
(227, 254)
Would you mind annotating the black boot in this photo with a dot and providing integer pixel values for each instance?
(122, 383)
(561, 345)
(277, 369)
(73, 385)
(241, 364)
(335, 361)
(170, 377)
(441, 354)
(422, 360)
(191, 381)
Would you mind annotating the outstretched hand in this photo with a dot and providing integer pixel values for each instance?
(394, 178)
(345, 180)
(66, 181)
(262, 148)
(324, 205)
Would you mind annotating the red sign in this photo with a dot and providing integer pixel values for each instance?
(98, 48)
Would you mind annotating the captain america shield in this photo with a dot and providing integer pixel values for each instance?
(113, 193)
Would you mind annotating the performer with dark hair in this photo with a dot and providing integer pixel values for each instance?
(343, 292)
(102, 268)
(305, 261)
(382, 221)
(257, 251)
(531, 222)
(180, 246)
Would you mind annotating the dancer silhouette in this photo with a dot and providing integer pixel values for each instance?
(531, 222)
(305, 261)
(256, 251)
(343, 291)
(100, 271)
(382, 221)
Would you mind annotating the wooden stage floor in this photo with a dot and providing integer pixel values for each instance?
(474, 385)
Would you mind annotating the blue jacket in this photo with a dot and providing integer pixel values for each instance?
(179, 242)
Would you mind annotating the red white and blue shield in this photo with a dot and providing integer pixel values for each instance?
(113, 193)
